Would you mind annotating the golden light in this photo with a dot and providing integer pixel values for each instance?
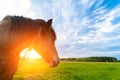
(32, 62)
(31, 54)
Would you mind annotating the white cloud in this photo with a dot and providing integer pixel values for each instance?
(102, 24)
(16, 7)
(79, 31)
(105, 26)
(84, 1)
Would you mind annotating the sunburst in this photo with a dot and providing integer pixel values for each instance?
(32, 54)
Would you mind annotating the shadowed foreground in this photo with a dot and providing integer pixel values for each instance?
(34, 70)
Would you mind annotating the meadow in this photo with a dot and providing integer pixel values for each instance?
(39, 70)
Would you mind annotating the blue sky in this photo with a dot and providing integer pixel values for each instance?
(83, 27)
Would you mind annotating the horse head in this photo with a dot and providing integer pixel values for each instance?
(37, 34)
(45, 43)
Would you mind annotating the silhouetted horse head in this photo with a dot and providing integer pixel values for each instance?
(20, 33)
(45, 42)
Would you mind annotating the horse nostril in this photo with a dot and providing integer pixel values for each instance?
(54, 63)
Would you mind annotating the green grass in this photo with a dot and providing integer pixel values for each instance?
(35, 70)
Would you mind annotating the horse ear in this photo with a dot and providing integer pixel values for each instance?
(49, 22)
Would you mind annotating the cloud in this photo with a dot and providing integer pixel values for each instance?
(87, 34)
(83, 27)
(16, 7)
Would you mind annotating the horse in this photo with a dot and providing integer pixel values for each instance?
(18, 33)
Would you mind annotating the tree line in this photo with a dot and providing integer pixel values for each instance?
(92, 59)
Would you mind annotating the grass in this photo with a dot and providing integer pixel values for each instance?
(36, 70)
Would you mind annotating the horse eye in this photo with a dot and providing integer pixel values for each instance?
(53, 38)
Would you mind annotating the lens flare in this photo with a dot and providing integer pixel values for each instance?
(31, 54)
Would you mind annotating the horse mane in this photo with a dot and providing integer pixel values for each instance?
(21, 24)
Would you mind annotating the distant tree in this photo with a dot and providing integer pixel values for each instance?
(92, 59)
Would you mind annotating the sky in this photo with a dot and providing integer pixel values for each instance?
(83, 27)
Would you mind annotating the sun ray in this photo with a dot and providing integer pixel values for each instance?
(32, 54)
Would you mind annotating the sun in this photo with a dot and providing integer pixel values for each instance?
(31, 54)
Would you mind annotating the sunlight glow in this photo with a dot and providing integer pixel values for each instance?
(32, 54)
(33, 61)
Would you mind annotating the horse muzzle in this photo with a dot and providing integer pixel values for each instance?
(54, 63)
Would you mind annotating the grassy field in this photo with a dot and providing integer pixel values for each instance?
(38, 70)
